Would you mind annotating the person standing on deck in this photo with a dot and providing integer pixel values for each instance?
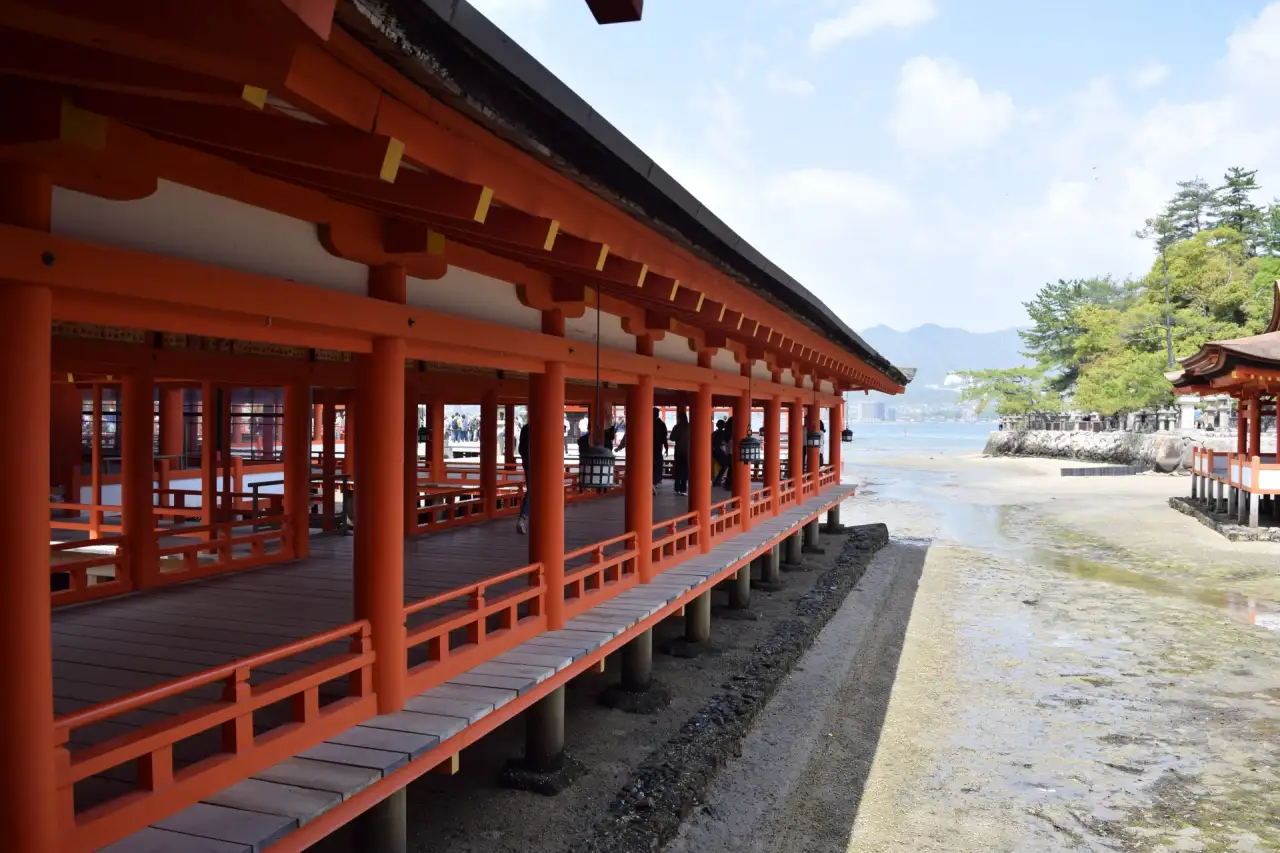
(659, 447)
(680, 440)
(522, 523)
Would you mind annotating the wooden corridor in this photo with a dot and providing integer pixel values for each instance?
(298, 793)
(106, 649)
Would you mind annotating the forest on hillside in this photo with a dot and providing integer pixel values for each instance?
(1103, 345)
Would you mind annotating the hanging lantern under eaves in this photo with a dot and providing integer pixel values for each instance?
(813, 439)
(846, 435)
(750, 450)
(596, 468)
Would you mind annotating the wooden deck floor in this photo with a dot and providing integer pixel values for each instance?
(253, 814)
(109, 648)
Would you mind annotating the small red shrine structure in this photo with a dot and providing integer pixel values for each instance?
(250, 252)
(1247, 369)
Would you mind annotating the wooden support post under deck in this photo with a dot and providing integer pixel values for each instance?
(639, 483)
(773, 450)
(489, 452)
(137, 409)
(297, 465)
(28, 811)
(740, 473)
(700, 463)
(546, 486)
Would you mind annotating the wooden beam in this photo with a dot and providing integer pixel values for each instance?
(254, 132)
(616, 11)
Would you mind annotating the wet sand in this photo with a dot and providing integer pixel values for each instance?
(1081, 668)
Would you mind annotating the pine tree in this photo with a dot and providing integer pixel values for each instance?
(1235, 208)
(1189, 210)
(1271, 228)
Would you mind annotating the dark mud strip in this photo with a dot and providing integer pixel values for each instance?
(661, 792)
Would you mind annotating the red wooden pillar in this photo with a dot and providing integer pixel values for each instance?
(835, 427)
(509, 437)
(699, 462)
(773, 450)
(410, 439)
(317, 422)
(1242, 427)
(28, 810)
(297, 464)
(740, 473)
(546, 486)
(639, 484)
(95, 464)
(435, 412)
(379, 568)
(137, 495)
(66, 411)
(209, 419)
(1255, 427)
(814, 453)
(329, 456)
(795, 446)
(171, 422)
(489, 452)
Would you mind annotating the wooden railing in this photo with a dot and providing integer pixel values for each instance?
(610, 567)
(1257, 475)
(68, 516)
(70, 563)
(786, 493)
(673, 538)
(828, 476)
(455, 642)
(809, 486)
(224, 546)
(761, 502)
(220, 702)
(726, 518)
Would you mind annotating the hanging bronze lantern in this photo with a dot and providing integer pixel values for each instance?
(597, 466)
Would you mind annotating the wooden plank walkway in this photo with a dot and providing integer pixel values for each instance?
(254, 813)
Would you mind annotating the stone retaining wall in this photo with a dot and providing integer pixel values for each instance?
(1164, 453)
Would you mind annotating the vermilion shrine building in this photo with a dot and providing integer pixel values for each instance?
(1248, 369)
(246, 247)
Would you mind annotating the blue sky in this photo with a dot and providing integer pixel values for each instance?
(916, 161)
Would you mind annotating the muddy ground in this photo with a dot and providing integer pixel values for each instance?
(470, 813)
(1083, 669)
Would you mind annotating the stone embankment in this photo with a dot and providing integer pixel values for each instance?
(1161, 452)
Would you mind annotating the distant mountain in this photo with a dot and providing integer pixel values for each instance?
(938, 351)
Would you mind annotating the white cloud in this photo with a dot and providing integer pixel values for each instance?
(786, 83)
(856, 193)
(1149, 76)
(864, 17)
(940, 110)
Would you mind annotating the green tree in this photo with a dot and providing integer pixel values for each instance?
(1055, 326)
(1271, 228)
(1189, 211)
(1123, 381)
(1013, 391)
(1234, 207)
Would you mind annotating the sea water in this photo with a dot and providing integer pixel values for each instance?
(871, 440)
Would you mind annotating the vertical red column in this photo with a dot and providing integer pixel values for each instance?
(137, 463)
(814, 453)
(741, 473)
(546, 489)
(297, 465)
(66, 411)
(1255, 426)
(1242, 427)
(835, 430)
(171, 423)
(209, 420)
(509, 437)
(435, 412)
(328, 459)
(95, 464)
(700, 462)
(489, 452)
(380, 515)
(773, 450)
(639, 484)
(795, 447)
(27, 804)
(410, 439)
(317, 422)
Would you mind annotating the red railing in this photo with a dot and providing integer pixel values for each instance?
(161, 787)
(69, 516)
(761, 502)
(610, 567)
(809, 485)
(726, 517)
(76, 560)
(224, 546)
(786, 493)
(673, 538)
(827, 476)
(455, 642)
